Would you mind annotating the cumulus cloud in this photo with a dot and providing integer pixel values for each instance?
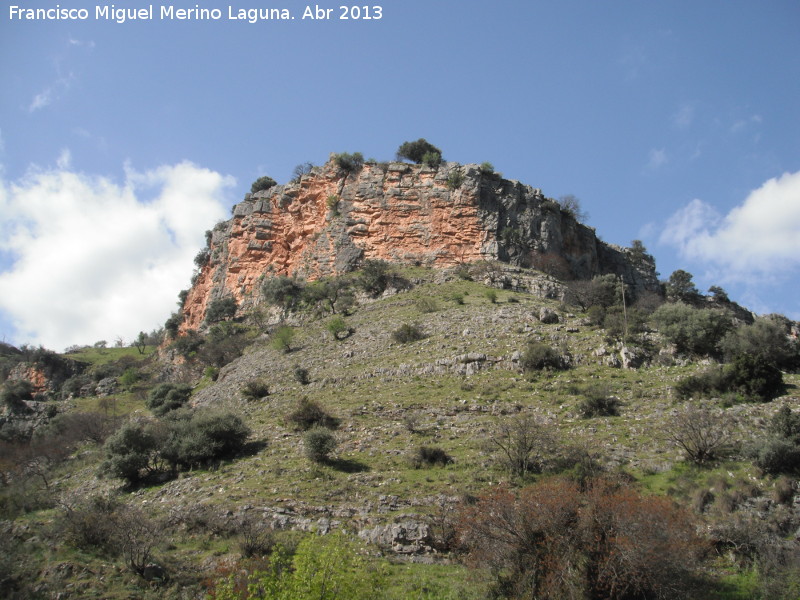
(758, 239)
(94, 259)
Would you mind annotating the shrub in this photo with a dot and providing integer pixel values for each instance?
(430, 456)
(754, 377)
(693, 330)
(427, 305)
(173, 324)
(777, 455)
(338, 328)
(319, 443)
(539, 357)
(458, 298)
(526, 445)
(407, 333)
(131, 452)
(281, 291)
(486, 168)
(598, 402)
(15, 392)
(225, 342)
(374, 277)
(349, 162)
(700, 433)
(309, 414)
(168, 396)
(196, 438)
(332, 202)
(491, 295)
(300, 170)
(432, 159)
(556, 540)
(220, 309)
(786, 424)
(765, 338)
(418, 151)
(571, 205)
(455, 179)
(262, 183)
(255, 389)
(282, 338)
(301, 375)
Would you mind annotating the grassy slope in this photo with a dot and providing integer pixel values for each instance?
(382, 390)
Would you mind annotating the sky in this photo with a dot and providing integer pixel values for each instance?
(123, 140)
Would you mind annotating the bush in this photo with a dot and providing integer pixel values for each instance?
(349, 162)
(526, 445)
(418, 151)
(407, 333)
(681, 288)
(374, 277)
(455, 180)
(487, 168)
(598, 402)
(338, 328)
(197, 438)
(309, 414)
(255, 389)
(262, 183)
(765, 338)
(301, 375)
(701, 434)
(220, 309)
(282, 338)
(692, 330)
(319, 443)
(557, 540)
(283, 292)
(427, 305)
(432, 159)
(539, 357)
(131, 452)
(430, 456)
(168, 396)
(14, 394)
(777, 455)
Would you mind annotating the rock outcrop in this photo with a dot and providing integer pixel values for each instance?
(330, 220)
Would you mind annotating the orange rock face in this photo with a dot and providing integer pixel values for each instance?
(330, 220)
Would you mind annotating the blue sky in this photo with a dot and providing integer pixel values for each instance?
(674, 122)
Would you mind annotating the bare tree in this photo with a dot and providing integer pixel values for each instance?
(525, 444)
(700, 433)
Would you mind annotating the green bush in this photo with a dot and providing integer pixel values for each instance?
(220, 309)
(432, 159)
(541, 357)
(766, 338)
(418, 151)
(455, 180)
(197, 438)
(407, 333)
(309, 414)
(131, 452)
(168, 396)
(487, 168)
(255, 389)
(282, 338)
(349, 162)
(262, 183)
(598, 402)
(374, 276)
(777, 455)
(692, 330)
(301, 375)
(751, 378)
(427, 305)
(283, 292)
(15, 393)
(338, 328)
(319, 444)
(430, 456)
(681, 288)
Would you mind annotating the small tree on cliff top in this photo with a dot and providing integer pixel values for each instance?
(417, 151)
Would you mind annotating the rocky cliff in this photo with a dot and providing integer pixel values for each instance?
(330, 220)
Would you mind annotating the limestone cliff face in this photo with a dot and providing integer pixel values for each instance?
(330, 220)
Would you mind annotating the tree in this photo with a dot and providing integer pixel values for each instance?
(141, 342)
(700, 433)
(693, 330)
(262, 183)
(282, 338)
(525, 444)
(417, 152)
(571, 205)
(220, 309)
(349, 162)
(338, 328)
(282, 291)
(168, 396)
(681, 288)
(300, 170)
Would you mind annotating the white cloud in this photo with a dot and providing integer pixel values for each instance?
(759, 239)
(64, 160)
(658, 158)
(96, 260)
